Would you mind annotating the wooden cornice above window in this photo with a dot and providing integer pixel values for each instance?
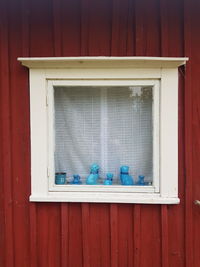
(103, 62)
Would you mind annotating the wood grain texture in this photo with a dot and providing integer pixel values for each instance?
(19, 139)
(6, 156)
(192, 137)
(114, 234)
(189, 171)
(102, 235)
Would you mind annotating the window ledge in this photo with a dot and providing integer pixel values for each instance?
(106, 198)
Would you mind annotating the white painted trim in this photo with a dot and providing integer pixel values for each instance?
(105, 198)
(39, 162)
(114, 188)
(105, 71)
(169, 133)
(156, 135)
(114, 62)
(51, 133)
(102, 188)
(102, 73)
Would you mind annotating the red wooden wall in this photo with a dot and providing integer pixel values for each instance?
(94, 235)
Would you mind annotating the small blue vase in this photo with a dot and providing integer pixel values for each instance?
(60, 178)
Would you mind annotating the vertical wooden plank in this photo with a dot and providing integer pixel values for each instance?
(5, 114)
(2, 210)
(196, 128)
(192, 212)
(171, 28)
(57, 27)
(99, 28)
(41, 31)
(85, 11)
(75, 247)
(119, 28)
(95, 235)
(64, 234)
(85, 234)
(150, 241)
(137, 233)
(105, 247)
(164, 28)
(25, 13)
(95, 28)
(33, 235)
(125, 234)
(164, 229)
(147, 30)
(71, 27)
(114, 234)
(48, 231)
(130, 29)
(2, 214)
(19, 139)
(189, 259)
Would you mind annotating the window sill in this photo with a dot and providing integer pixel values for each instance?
(103, 188)
(100, 197)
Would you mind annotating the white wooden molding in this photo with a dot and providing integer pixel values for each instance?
(103, 62)
(159, 72)
(105, 198)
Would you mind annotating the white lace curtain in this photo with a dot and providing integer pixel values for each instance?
(110, 126)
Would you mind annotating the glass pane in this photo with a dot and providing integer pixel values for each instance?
(109, 126)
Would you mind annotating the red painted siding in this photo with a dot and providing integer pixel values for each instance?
(94, 235)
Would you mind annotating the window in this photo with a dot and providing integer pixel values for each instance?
(113, 112)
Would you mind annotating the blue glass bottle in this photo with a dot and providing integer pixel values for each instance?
(125, 178)
(109, 179)
(60, 178)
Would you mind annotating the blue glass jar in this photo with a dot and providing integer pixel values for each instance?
(60, 178)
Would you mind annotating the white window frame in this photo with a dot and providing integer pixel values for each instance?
(160, 73)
